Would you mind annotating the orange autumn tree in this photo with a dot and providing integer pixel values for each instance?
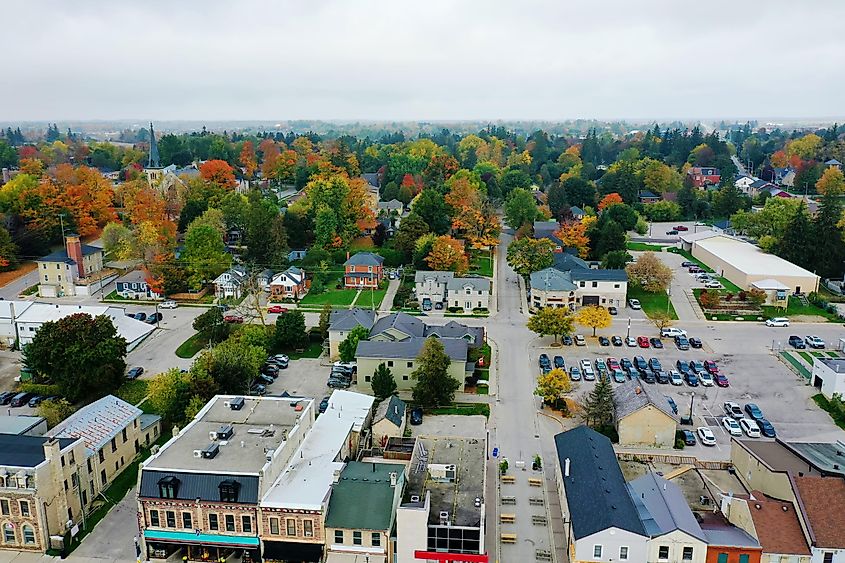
(248, 160)
(218, 172)
(83, 192)
(573, 234)
(284, 170)
(447, 254)
(779, 159)
(269, 154)
(610, 199)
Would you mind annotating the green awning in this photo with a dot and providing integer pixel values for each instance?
(187, 537)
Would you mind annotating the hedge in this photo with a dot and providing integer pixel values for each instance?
(40, 389)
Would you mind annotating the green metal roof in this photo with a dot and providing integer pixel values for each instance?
(363, 498)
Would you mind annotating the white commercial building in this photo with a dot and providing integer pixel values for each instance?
(829, 376)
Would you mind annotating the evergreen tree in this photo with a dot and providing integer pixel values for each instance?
(796, 239)
(606, 236)
(434, 385)
(384, 384)
(598, 407)
(728, 200)
(556, 198)
(828, 248)
(687, 199)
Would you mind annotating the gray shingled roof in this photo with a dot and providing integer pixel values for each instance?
(409, 349)
(62, 255)
(552, 279)
(665, 508)
(347, 319)
(98, 422)
(598, 275)
(633, 395)
(393, 409)
(565, 261)
(441, 277)
(478, 284)
(364, 259)
(408, 324)
(135, 276)
(595, 488)
(454, 329)
(204, 486)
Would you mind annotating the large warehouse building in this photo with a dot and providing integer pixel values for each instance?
(744, 263)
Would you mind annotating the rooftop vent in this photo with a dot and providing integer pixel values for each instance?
(211, 451)
(415, 498)
(235, 404)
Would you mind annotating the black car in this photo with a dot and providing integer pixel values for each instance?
(265, 379)
(544, 361)
(631, 372)
(154, 318)
(558, 361)
(626, 363)
(271, 370)
(36, 400)
(687, 264)
(766, 428)
(662, 377)
(134, 373)
(567, 340)
(648, 376)
(656, 342)
(672, 404)
(257, 389)
(604, 341)
(416, 416)
(337, 383)
(682, 343)
(616, 340)
(695, 342)
(140, 316)
(654, 364)
(640, 363)
(324, 404)
(691, 379)
(683, 366)
(797, 342)
(689, 438)
(6, 396)
(612, 310)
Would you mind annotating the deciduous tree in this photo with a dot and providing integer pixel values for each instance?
(610, 199)
(290, 331)
(527, 255)
(248, 160)
(593, 316)
(218, 172)
(650, 273)
(553, 385)
(520, 208)
(349, 345)
(211, 325)
(434, 385)
(832, 182)
(573, 234)
(205, 255)
(448, 255)
(555, 321)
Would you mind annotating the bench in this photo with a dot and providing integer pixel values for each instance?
(507, 518)
(542, 555)
(508, 500)
(508, 479)
(508, 538)
(535, 482)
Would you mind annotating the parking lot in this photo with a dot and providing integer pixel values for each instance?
(755, 376)
(303, 378)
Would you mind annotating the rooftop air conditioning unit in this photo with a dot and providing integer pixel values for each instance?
(198, 453)
(444, 517)
(442, 472)
(211, 451)
(225, 432)
(415, 498)
(235, 404)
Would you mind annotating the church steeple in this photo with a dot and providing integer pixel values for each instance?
(154, 158)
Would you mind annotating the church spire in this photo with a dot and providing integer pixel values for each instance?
(154, 158)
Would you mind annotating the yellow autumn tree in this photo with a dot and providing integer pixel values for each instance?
(551, 386)
(832, 182)
(573, 234)
(593, 316)
(447, 254)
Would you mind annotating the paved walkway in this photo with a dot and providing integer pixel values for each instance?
(387, 302)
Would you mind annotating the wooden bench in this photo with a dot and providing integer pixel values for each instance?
(508, 500)
(539, 520)
(507, 518)
(535, 482)
(508, 479)
(508, 538)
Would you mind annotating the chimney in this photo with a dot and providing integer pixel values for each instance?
(393, 479)
(51, 449)
(566, 467)
(74, 252)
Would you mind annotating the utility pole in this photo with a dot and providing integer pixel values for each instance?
(62, 222)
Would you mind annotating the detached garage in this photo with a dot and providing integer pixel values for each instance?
(743, 264)
(829, 376)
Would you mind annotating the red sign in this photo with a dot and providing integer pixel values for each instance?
(445, 557)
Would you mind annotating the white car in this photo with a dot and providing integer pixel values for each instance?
(777, 321)
(168, 305)
(705, 436)
(712, 284)
(345, 365)
(631, 341)
(675, 378)
(634, 304)
(705, 379)
(750, 428)
(732, 426)
(579, 340)
(672, 332)
(586, 365)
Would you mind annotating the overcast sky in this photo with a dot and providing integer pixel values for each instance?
(423, 59)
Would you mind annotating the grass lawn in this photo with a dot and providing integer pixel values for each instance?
(793, 361)
(829, 296)
(795, 308)
(314, 350)
(31, 290)
(482, 390)
(370, 300)
(644, 247)
(652, 302)
(808, 357)
(463, 409)
(190, 347)
(132, 391)
(482, 265)
(835, 410)
(691, 258)
(336, 297)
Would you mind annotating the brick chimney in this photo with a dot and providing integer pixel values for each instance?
(74, 252)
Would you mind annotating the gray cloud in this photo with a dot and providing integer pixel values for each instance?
(438, 59)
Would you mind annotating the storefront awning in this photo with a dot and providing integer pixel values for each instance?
(200, 539)
(292, 551)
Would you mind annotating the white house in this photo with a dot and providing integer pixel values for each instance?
(829, 376)
(469, 293)
(229, 283)
(9, 313)
(289, 284)
(430, 286)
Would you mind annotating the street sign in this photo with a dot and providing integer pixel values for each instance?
(495, 452)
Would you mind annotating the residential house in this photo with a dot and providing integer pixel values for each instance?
(547, 230)
(577, 286)
(363, 270)
(785, 176)
(430, 287)
(833, 163)
(829, 376)
(401, 326)
(468, 294)
(577, 212)
(394, 206)
(134, 285)
(675, 535)
(388, 420)
(743, 182)
(704, 176)
(290, 284)
(604, 523)
(643, 417)
(264, 278)
(821, 501)
(62, 273)
(39, 490)
(229, 284)
(110, 429)
(648, 197)
(294, 255)
(442, 515)
(774, 523)
(362, 512)
(727, 543)
(401, 358)
(342, 321)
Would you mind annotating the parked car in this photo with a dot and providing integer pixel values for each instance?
(671, 232)
(753, 411)
(672, 404)
(732, 409)
(276, 309)
(691, 379)
(586, 365)
(654, 364)
(732, 426)
(619, 376)
(233, 318)
(656, 342)
(682, 343)
(579, 340)
(634, 304)
(750, 428)
(612, 310)
(697, 366)
(616, 340)
(721, 380)
(662, 377)
(711, 367)
(712, 284)
(695, 342)
(626, 363)
(706, 436)
(574, 373)
(270, 369)
(264, 379)
(558, 362)
(6, 396)
(587, 372)
(169, 304)
(689, 437)
(640, 363)
(35, 401)
(544, 360)
(604, 341)
(681, 228)
(777, 321)
(796, 342)
(324, 404)
(766, 428)
(631, 342)
(694, 269)
(416, 416)
(258, 389)
(675, 378)
(642, 342)
(567, 340)
(672, 332)
(336, 383)
(601, 365)
(705, 379)
(154, 318)
(648, 376)
(683, 366)
(613, 363)
(140, 316)
(814, 342)
(135, 372)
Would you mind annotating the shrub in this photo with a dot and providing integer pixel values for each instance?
(455, 309)
(480, 310)
(40, 389)
(729, 297)
(743, 295)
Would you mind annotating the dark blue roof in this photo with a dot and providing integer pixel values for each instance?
(26, 451)
(364, 259)
(595, 488)
(598, 275)
(648, 194)
(205, 486)
(61, 255)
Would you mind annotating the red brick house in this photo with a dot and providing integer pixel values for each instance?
(363, 270)
(703, 176)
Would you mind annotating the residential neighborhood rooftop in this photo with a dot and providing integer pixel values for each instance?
(62, 255)
(631, 396)
(410, 348)
(822, 500)
(392, 409)
(347, 319)
(364, 259)
(98, 422)
(824, 456)
(552, 279)
(662, 507)
(777, 525)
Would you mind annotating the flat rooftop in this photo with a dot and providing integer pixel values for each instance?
(306, 481)
(262, 424)
(18, 424)
(749, 259)
(778, 457)
(827, 456)
(457, 497)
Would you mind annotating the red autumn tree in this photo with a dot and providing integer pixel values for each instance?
(218, 172)
(248, 160)
(608, 200)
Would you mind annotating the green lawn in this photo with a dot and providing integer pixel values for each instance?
(482, 265)
(190, 347)
(691, 258)
(795, 308)
(371, 299)
(793, 361)
(807, 357)
(336, 297)
(833, 408)
(313, 350)
(463, 409)
(644, 247)
(132, 391)
(652, 302)
(31, 290)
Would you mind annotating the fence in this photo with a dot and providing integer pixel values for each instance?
(189, 296)
(672, 459)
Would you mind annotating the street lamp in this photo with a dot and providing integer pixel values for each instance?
(628, 334)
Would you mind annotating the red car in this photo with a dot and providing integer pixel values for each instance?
(721, 380)
(233, 318)
(711, 367)
(681, 228)
(276, 309)
(642, 341)
(613, 363)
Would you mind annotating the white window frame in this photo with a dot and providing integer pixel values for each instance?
(598, 549)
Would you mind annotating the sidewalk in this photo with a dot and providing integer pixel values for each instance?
(387, 302)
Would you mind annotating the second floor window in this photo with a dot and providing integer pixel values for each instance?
(246, 523)
(187, 520)
(213, 523)
(308, 528)
(154, 521)
(290, 525)
(274, 526)
(229, 490)
(338, 536)
(230, 523)
(24, 508)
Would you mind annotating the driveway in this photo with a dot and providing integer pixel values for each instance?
(112, 536)
(682, 285)
(387, 302)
